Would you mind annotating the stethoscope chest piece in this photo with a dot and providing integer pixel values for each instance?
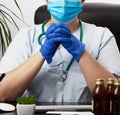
(63, 76)
(41, 39)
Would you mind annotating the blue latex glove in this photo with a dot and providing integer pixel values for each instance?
(50, 46)
(63, 35)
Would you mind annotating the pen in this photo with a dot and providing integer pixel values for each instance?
(2, 76)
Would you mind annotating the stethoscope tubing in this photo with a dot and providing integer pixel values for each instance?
(43, 32)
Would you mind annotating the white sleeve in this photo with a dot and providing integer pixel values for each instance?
(109, 54)
(18, 51)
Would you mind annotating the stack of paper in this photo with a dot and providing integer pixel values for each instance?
(70, 113)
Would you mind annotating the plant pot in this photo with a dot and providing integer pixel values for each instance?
(25, 109)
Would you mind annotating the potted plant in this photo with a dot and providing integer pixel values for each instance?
(7, 16)
(26, 105)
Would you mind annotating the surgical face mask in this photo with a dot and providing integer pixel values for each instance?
(64, 10)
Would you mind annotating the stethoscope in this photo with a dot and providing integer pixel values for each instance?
(64, 75)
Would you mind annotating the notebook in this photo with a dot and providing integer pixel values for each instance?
(68, 106)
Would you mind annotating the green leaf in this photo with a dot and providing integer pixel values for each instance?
(11, 20)
(3, 31)
(27, 100)
(19, 8)
(7, 16)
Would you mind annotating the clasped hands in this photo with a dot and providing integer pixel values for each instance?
(58, 34)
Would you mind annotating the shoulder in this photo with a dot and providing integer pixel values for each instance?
(27, 33)
(92, 28)
(98, 36)
(29, 30)
(97, 33)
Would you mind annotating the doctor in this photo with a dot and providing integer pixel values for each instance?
(63, 64)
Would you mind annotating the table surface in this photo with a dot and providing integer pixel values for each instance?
(38, 113)
(15, 113)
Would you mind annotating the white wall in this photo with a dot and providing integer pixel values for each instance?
(28, 8)
(105, 1)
